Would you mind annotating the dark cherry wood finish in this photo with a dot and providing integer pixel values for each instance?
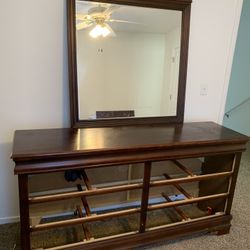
(116, 142)
(145, 195)
(51, 150)
(181, 5)
(24, 210)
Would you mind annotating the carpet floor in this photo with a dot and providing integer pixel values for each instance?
(239, 237)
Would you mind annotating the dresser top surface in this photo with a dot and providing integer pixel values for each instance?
(38, 144)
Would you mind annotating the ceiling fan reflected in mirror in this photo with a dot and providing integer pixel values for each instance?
(99, 16)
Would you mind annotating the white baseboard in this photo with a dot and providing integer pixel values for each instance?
(7, 220)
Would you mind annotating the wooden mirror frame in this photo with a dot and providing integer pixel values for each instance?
(181, 5)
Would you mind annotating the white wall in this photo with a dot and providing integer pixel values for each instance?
(33, 78)
(214, 25)
(171, 76)
(123, 73)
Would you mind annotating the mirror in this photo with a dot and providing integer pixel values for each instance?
(129, 62)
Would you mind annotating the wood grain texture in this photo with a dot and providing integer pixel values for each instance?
(24, 211)
(37, 151)
(145, 196)
(46, 143)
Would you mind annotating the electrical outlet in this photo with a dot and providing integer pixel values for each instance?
(203, 89)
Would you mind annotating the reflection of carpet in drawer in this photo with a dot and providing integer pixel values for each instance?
(109, 227)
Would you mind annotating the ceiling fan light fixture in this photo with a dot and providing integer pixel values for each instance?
(105, 31)
(96, 31)
(99, 30)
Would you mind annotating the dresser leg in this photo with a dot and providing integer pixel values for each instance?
(223, 231)
(24, 211)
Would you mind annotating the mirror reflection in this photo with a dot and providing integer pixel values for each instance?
(127, 60)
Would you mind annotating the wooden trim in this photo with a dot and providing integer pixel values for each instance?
(161, 4)
(235, 169)
(177, 186)
(125, 122)
(182, 167)
(127, 157)
(186, 13)
(186, 202)
(190, 179)
(72, 63)
(77, 221)
(77, 244)
(71, 195)
(177, 210)
(86, 180)
(145, 196)
(85, 229)
(84, 201)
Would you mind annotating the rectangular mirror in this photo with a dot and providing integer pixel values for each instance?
(129, 62)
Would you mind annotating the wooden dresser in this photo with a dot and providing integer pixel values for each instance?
(184, 211)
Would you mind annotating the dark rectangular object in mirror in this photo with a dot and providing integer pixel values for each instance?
(113, 114)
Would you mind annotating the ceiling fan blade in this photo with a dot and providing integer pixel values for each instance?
(111, 9)
(83, 6)
(83, 17)
(112, 33)
(83, 25)
(123, 21)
